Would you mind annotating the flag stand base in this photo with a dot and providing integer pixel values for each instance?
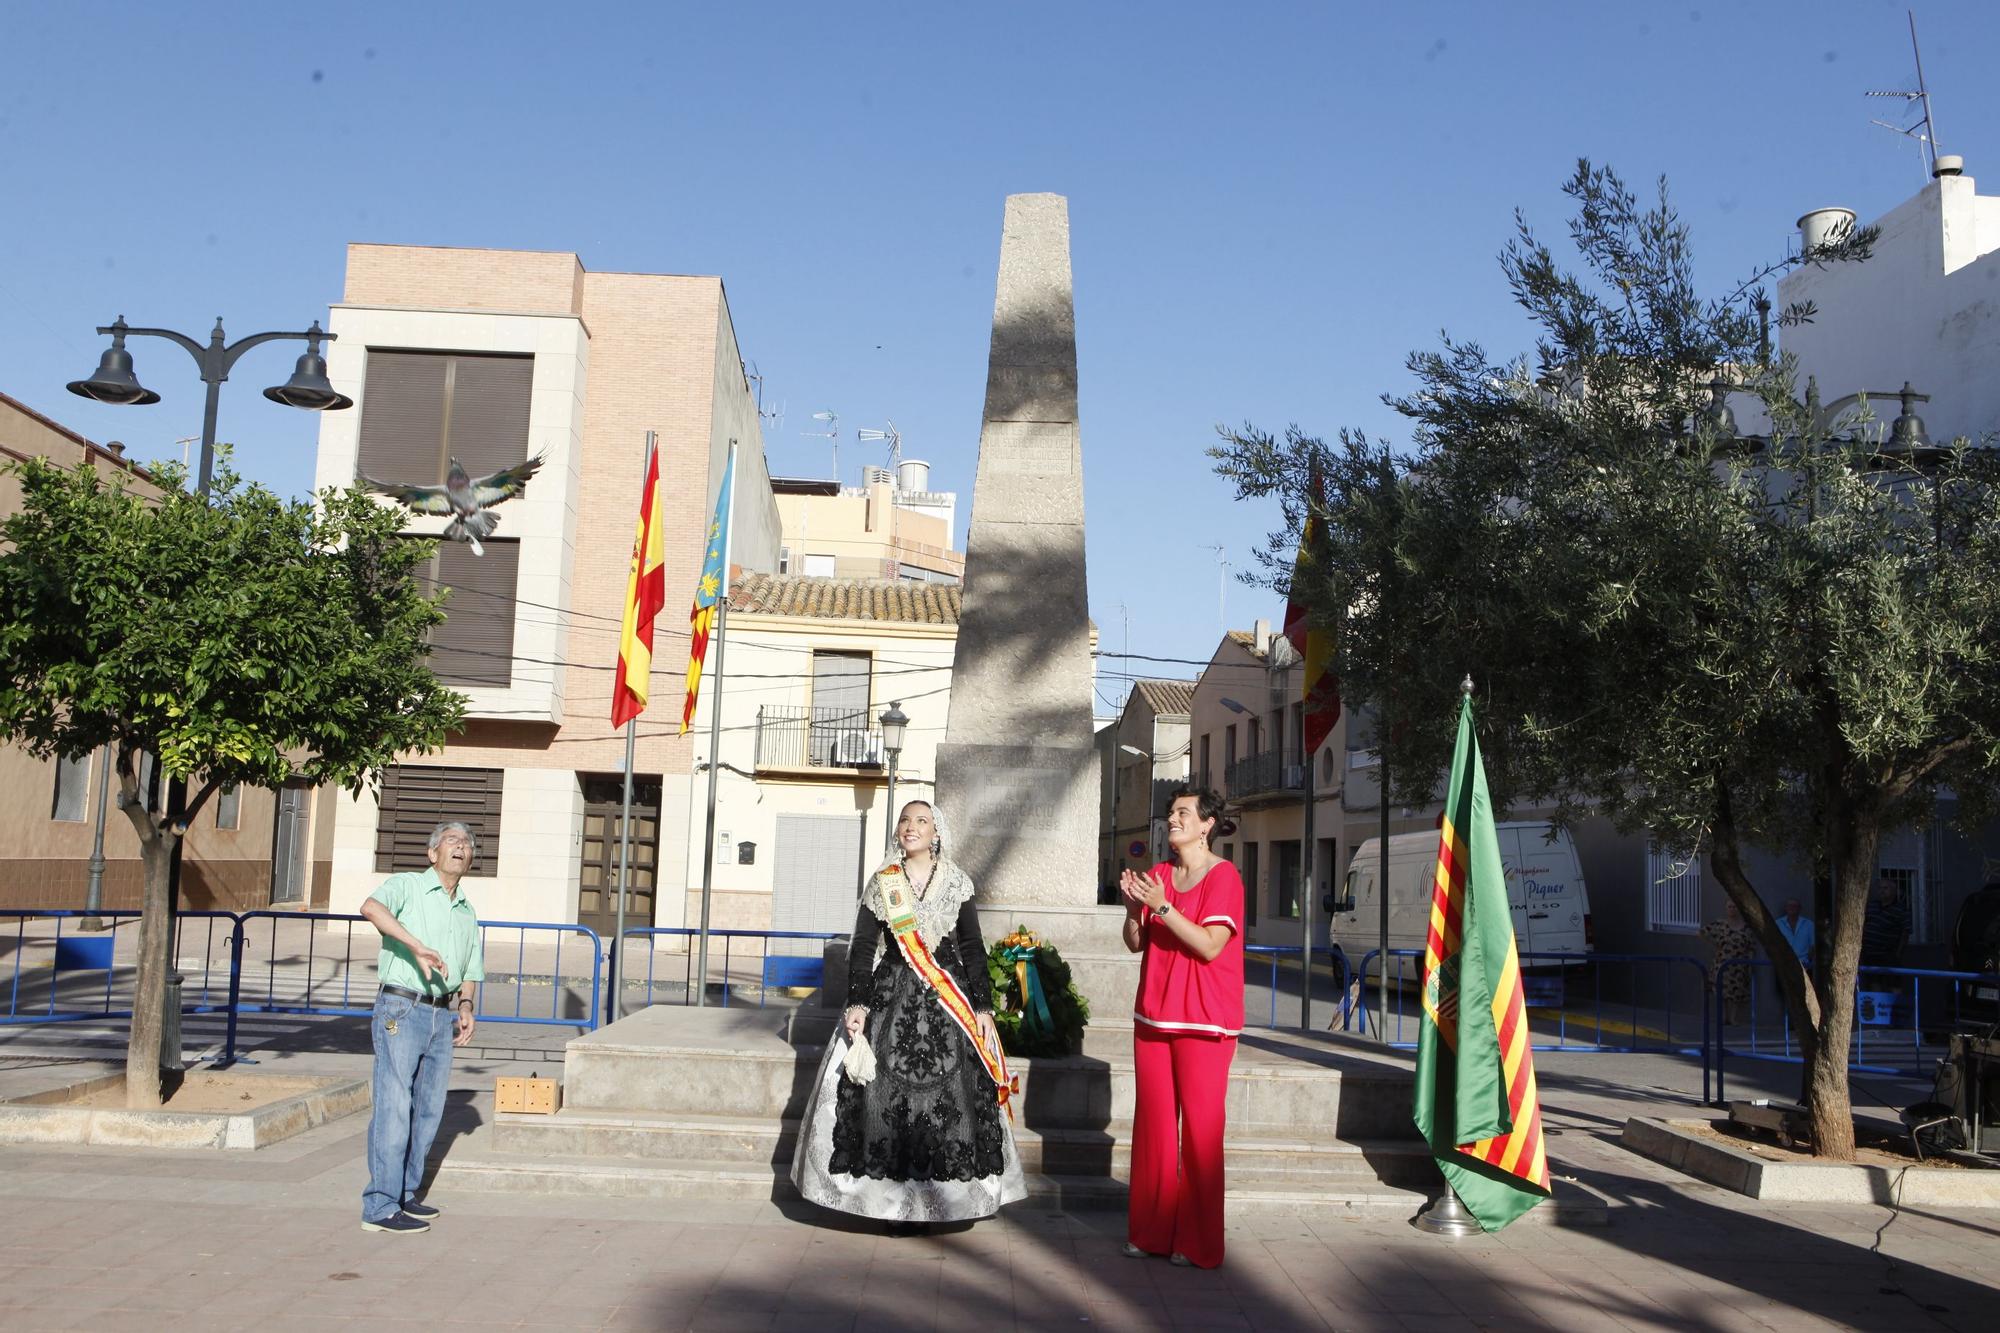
(1447, 1217)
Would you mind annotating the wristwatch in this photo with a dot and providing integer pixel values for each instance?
(1163, 911)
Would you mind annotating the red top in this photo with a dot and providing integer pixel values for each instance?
(1178, 992)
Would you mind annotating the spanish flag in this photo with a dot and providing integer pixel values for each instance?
(1476, 1102)
(709, 591)
(1314, 643)
(645, 594)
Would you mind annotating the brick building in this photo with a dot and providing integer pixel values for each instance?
(494, 356)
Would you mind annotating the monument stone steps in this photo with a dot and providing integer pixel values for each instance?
(654, 1136)
(751, 1063)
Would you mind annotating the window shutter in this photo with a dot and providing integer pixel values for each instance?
(416, 798)
(488, 413)
(475, 645)
(402, 417)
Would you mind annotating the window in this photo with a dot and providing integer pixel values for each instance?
(228, 808)
(1228, 750)
(841, 727)
(152, 787)
(475, 644)
(784, 559)
(416, 798)
(1288, 869)
(1299, 732)
(421, 409)
(1673, 893)
(1206, 781)
(72, 798)
(1253, 887)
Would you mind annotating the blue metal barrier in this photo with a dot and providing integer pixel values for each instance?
(1888, 1003)
(1592, 1019)
(1276, 952)
(304, 976)
(728, 939)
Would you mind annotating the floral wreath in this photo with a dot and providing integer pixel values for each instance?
(1036, 1005)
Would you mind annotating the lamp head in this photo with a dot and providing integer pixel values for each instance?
(309, 388)
(894, 723)
(114, 381)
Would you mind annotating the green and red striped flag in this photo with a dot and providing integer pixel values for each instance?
(1476, 1102)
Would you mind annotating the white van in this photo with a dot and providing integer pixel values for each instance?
(1544, 887)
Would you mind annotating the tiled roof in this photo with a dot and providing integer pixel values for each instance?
(1246, 639)
(1167, 698)
(823, 598)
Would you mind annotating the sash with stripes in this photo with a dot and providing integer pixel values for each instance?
(902, 921)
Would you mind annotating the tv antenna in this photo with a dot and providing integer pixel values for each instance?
(774, 415)
(895, 439)
(1924, 131)
(832, 432)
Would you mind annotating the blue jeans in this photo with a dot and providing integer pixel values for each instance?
(412, 1067)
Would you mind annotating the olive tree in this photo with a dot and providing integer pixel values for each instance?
(1786, 642)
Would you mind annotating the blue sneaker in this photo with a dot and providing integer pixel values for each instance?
(423, 1212)
(398, 1224)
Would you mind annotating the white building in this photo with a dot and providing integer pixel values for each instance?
(802, 799)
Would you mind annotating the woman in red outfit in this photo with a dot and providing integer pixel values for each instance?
(1186, 917)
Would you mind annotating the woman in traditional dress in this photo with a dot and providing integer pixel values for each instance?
(1735, 944)
(905, 1122)
(1186, 917)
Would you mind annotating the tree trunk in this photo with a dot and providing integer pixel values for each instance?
(1855, 840)
(149, 989)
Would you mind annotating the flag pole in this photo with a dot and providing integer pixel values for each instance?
(617, 971)
(715, 738)
(1310, 893)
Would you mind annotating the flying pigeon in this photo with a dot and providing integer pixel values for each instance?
(469, 502)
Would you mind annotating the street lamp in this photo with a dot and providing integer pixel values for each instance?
(894, 724)
(114, 382)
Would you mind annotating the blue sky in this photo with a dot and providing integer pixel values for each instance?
(1271, 204)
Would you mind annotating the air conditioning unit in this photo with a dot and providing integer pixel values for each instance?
(857, 749)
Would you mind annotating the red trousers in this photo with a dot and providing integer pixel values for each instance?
(1176, 1201)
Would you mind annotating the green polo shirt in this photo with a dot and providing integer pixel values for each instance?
(447, 924)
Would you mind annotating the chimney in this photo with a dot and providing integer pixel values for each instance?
(1947, 164)
(116, 448)
(1260, 635)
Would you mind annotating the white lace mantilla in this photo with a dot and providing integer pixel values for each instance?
(937, 911)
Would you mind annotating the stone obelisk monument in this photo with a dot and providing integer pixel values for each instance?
(1017, 772)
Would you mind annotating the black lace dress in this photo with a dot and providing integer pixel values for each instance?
(930, 1113)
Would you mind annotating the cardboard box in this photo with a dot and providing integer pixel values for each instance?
(528, 1096)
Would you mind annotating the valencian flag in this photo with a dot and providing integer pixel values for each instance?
(1476, 1101)
(708, 592)
(1321, 701)
(645, 594)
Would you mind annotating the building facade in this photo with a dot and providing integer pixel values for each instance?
(492, 357)
(892, 526)
(1246, 727)
(802, 811)
(1145, 756)
(251, 849)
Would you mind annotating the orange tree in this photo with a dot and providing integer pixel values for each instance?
(242, 640)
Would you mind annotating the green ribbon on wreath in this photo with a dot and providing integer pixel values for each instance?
(1034, 1006)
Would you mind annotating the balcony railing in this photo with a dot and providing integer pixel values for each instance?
(789, 736)
(1260, 774)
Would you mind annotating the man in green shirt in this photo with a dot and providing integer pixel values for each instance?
(431, 959)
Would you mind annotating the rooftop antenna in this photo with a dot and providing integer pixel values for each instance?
(1925, 130)
(895, 439)
(832, 432)
(774, 415)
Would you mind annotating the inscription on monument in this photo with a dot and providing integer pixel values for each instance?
(1047, 447)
